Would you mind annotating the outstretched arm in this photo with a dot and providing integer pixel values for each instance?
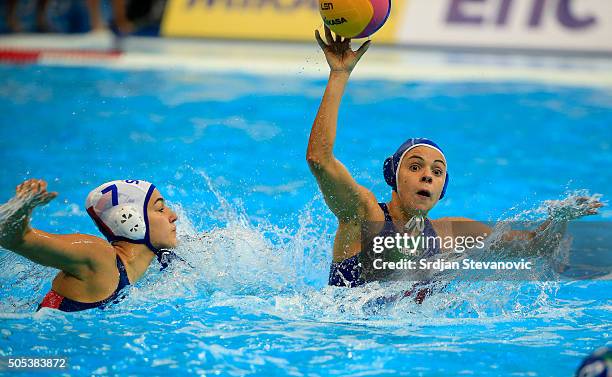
(344, 196)
(74, 253)
(547, 235)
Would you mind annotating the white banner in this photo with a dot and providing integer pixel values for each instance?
(584, 25)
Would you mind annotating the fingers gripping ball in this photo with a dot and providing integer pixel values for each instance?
(354, 18)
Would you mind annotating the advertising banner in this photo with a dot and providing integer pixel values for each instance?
(581, 25)
(286, 20)
(571, 25)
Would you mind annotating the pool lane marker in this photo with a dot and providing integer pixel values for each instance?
(33, 56)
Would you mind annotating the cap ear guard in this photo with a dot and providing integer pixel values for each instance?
(389, 173)
(128, 222)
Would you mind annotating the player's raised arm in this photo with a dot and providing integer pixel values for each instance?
(344, 196)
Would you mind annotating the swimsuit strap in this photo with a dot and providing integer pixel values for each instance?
(385, 210)
(429, 230)
(124, 280)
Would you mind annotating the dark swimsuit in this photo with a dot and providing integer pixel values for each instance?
(349, 272)
(54, 300)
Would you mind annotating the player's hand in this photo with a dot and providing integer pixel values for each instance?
(33, 193)
(573, 208)
(338, 52)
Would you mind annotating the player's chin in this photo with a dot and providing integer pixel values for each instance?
(170, 243)
(173, 243)
(421, 206)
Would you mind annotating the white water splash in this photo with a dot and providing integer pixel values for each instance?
(263, 268)
(282, 272)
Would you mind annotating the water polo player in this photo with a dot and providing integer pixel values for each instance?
(131, 214)
(416, 172)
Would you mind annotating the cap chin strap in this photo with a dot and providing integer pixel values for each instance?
(163, 256)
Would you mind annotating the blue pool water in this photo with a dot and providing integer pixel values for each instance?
(229, 152)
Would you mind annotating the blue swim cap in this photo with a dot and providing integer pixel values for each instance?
(598, 364)
(392, 163)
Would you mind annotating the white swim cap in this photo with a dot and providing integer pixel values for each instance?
(119, 209)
